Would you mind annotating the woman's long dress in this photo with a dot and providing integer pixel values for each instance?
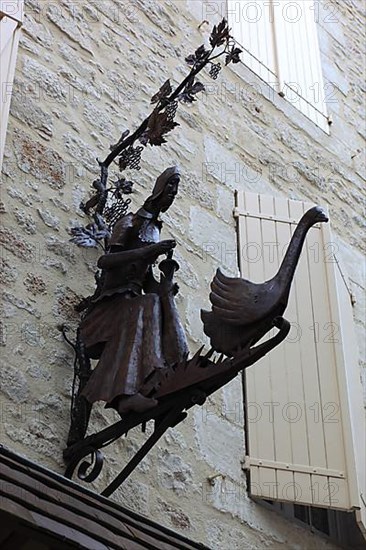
(131, 333)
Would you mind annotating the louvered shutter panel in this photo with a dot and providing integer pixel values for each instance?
(252, 26)
(297, 46)
(281, 46)
(305, 422)
(11, 18)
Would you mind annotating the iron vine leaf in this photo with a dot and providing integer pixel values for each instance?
(201, 52)
(123, 186)
(199, 55)
(165, 91)
(192, 89)
(220, 34)
(233, 56)
(159, 125)
(88, 237)
(191, 59)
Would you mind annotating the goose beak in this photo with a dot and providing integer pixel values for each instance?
(322, 217)
(325, 218)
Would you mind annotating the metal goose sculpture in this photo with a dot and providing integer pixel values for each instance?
(242, 311)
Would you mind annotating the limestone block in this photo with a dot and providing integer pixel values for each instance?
(177, 518)
(75, 30)
(220, 444)
(81, 151)
(21, 304)
(34, 28)
(13, 383)
(48, 87)
(8, 273)
(61, 247)
(35, 284)
(26, 109)
(214, 238)
(45, 164)
(233, 400)
(49, 219)
(136, 495)
(173, 472)
(25, 221)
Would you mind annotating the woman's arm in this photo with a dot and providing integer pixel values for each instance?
(115, 259)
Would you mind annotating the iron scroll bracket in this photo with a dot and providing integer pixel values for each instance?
(174, 400)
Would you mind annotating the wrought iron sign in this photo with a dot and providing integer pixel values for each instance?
(131, 324)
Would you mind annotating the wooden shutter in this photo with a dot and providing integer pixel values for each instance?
(252, 26)
(305, 422)
(281, 46)
(11, 18)
(297, 46)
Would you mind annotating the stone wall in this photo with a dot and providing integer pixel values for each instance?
(86, 71)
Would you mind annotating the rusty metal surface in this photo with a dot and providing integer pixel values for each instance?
(133, 327)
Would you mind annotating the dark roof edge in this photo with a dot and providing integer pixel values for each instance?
(67, 483)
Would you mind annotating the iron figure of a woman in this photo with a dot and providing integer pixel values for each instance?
(133, 326)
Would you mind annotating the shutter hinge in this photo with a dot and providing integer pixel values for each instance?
(301, 468)
(236, 212)
(271, 217)
(245, 464)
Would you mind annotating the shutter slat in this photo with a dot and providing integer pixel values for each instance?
(266, 444)
(315, 436)
(311, 449)
(282, 428)
(294, 360)
(261, 480)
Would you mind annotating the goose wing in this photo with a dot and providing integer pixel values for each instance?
(240, 302)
